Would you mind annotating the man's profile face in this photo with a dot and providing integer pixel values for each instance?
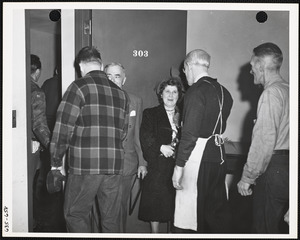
(256, 70)
(116, 75)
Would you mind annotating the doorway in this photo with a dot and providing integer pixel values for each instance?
(43, 39)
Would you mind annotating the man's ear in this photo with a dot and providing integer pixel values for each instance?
(261, 67)
(37, 74)
(124, 80)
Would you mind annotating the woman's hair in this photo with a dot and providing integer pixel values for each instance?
(172, 81)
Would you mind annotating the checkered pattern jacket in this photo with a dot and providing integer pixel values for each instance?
(91, 123)
(40, 130)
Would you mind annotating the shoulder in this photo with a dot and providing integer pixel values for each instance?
(51, 82)
(278, 89)
(36, 91)
(135, 99)
(152, 109)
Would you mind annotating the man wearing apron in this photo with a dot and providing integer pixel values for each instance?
(201, 199)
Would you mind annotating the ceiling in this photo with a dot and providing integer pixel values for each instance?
(40, 21)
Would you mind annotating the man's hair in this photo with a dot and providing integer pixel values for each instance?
(88, 54)
(112, 64)
(35, 63)
(198, 57)
(172, 81)
(269, 50)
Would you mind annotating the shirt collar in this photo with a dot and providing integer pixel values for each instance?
(201, 75)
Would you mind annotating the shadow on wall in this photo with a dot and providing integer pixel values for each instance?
(249, 93)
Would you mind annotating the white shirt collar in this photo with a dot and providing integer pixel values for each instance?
(200, 76)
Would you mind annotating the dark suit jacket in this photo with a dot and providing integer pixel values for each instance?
(52, 89)
(155, 131)
(132, 147)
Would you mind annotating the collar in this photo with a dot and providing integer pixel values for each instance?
(201, 76)
(276, 78)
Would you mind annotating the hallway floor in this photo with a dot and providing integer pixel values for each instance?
(49, 214)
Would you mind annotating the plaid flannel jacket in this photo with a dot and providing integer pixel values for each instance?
(40, 130)
(91, 123)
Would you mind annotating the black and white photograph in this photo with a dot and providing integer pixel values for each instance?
(150, 120)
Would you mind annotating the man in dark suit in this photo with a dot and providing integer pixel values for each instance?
(133, 160)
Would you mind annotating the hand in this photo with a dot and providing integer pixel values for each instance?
(54, 181)
(34, 146)
(142, 172)
(177, 176)
(244, 188)
(167, 150)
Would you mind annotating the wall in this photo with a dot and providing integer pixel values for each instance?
(229, 37)
(43, 44)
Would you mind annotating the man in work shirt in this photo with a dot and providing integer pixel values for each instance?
(267, 166)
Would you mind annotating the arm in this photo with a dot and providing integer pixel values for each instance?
(193, 114)
(263, 138)
(126, 121)
(148, 139)
(263, 141)
(142, 166)
(39, 121)
(67, 115)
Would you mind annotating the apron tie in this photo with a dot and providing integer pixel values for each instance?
(219, 141)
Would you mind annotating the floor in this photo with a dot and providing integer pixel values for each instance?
(49, 213)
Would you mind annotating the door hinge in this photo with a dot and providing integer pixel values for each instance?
(87, 27)
(14, 118)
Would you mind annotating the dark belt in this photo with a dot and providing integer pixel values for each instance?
(283, 152)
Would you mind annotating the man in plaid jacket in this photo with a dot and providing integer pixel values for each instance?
(91, 123)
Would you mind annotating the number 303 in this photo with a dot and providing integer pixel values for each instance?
(140, 53)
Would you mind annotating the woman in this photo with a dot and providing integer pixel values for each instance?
(159, 135)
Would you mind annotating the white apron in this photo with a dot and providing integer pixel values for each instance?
(185, 215)
(186, 199)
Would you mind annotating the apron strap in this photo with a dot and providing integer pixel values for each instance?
(218, 137)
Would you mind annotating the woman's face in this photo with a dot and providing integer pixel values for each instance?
(170, 96)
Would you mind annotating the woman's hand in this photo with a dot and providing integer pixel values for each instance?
(167, 150)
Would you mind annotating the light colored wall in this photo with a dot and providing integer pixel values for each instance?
(43, 44)
(229, 37)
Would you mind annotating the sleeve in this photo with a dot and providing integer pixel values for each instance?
(137, 143)
(149, 142)
(192, 119)
(264, 137)
(67, 115)
(39, 122)
(126, 120)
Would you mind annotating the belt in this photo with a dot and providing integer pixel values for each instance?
(284, 152)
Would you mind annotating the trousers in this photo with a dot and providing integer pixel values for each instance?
(271, 196)
(125, 192)
(80, 194)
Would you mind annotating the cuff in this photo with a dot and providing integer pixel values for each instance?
(180, 163)
(56, 168)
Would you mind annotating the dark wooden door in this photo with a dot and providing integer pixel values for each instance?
(147, 42)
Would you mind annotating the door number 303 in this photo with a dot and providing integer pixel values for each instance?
(140, 53)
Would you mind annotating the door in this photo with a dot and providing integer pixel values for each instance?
(147, 43)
